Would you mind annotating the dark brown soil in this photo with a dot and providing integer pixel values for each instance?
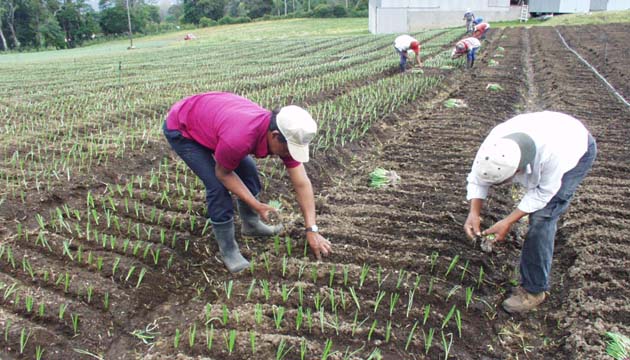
(404, 237)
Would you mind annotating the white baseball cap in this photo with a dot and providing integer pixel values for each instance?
(497, 160)
(299, 128)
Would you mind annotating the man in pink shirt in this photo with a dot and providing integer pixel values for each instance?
(215, 133)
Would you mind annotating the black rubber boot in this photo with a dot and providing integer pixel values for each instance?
(232, 258)
(251, 224)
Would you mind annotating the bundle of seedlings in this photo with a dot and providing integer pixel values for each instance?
(381, 178)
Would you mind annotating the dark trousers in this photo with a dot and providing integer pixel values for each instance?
(538, 246)
(201, 161)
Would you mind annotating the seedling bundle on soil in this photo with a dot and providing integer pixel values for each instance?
(381, 178)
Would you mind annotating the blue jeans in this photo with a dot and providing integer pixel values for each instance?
(403, 59)
(538, 246)
(201, 161)
(472, 54)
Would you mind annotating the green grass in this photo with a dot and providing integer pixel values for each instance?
(604, 17)
(298, 29)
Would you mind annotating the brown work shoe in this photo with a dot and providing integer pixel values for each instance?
(523, 301)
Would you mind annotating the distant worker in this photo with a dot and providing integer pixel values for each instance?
(403, 44)
(215, 134)
(480, 30)
(469, 47)
(469, 17)
(527, 149)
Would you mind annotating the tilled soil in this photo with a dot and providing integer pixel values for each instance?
(141, 280)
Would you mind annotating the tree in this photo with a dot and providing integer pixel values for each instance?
(3, 11)
(194, 10)
(10, 6)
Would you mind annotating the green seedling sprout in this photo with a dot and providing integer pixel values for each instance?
(452, 292)
(75, 323)
(428, 340)
(331, 277)
(480, 279)
(427, 312)
(284, 265)
(448, 317)
(258, 313)
(461, 279)
(342, 299)
(252, 341)
(39, 352)
(327, 348)
(379, 297)
(434, 257)
(227, 286)
(469, 293)
(303, 349)
(372, 328)
(226, 315)
(451, 266)
(230, 340)
(388, 330)
(192, 334)
(393, 300)
(364, 272)
(458, 321)
(209, 336)
(250, 290)
(430, 289)
(299, 316)
(447, 345)
(410, 336)
(176, 339)
(24, 339)
(289, 244)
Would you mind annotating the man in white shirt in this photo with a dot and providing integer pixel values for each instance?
(403, 44)
(549, 153)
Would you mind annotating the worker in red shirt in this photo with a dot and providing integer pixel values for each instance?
(215, 134)
(468, 46)
(403, 44)
(480, 30)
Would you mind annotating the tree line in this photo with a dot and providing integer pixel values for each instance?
(62, 24)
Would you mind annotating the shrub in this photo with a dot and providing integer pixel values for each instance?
(322, 11)
(207, 22)
(226, 20)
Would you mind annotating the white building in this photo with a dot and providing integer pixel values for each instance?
(404, 16)
(576, 6)
(603, 5)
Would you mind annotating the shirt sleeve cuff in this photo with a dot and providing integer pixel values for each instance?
(475, 191)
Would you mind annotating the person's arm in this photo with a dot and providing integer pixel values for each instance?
(501, 228)
(235, 185)
(304, 196)
(473, 221)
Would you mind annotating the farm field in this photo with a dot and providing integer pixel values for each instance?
(104, 250)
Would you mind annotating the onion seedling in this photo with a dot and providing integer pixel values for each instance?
(192, 334)
(230, 340)
(303, 349)
(458, 321)
(327, 348)
(469, 293)
(209, 336)
(434, 257)
(62, 310)
(447, 345)
(75, 323)
(176, 339)
(364, 272)
(379, 297)
(252, 341)
(24, 339)
(410, 336)
(282, 350)
(448, 317)
(427, 311)
(393, 300)
(39, 352)
(451, 266)
(428, 340)
(372, 328)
